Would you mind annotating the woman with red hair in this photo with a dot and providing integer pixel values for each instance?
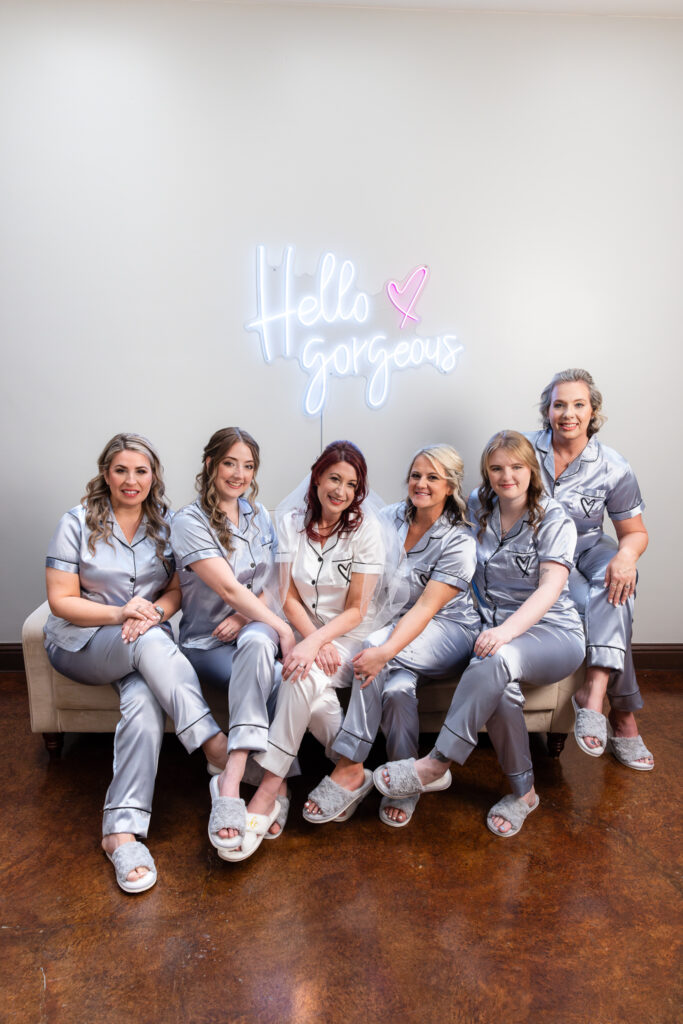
(331, 557)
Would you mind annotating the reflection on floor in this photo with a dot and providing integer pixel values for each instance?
(574, 920)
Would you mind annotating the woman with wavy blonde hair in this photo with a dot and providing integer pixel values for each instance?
(532, 632)
(589, 479)
(224, 544)
(111, 587)
(433, 637)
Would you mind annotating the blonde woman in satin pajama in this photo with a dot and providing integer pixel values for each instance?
(532, 631)
(589, 479)
(111, 586)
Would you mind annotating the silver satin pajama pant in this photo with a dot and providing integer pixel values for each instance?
(489, 694)
(153, 679)
(391, 699)
(312, 704)
(246, 669)
(607, 626)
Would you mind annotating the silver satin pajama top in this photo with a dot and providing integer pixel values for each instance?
(508, 568)
(446, 553)
(194, 539)
(598, 480)
(116, 572)
(322, 576)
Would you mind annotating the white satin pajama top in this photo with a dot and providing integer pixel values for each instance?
(598, 480)
(117, 572)
(194, 539)
(322, 576)
(508, 567)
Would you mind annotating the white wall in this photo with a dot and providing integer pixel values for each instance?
(535, 163)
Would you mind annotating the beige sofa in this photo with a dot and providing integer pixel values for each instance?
(59, 705)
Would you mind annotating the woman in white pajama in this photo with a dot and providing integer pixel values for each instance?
(588, 478)
(434, 636)
(224, 547)
(532, 631)
(111, 586)
(331, 556)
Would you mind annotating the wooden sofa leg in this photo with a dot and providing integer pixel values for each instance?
(556, 743)
(54, 741)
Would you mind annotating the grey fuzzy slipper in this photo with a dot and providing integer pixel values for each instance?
(515, 810)
(407, 804)
(333, 800)
(589, 723)
(627, 750)
(226, 812)
(404, 780)
(281, 819)
(126, 858)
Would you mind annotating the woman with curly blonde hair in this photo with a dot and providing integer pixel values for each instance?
(224, 544)
(111, 586)
(433, 636)
(532, 632)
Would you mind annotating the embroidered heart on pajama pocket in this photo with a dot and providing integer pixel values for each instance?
(423, 578)
(523, 563)
(345, 570)
(587, 506)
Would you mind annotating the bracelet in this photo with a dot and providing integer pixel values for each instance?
(160, 612)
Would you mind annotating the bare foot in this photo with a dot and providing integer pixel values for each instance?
(502, 824)
(229, 784)
(591, 701)
(624, 724)
(347, 774)
(395, 814)
(115, 839)
(428, 770)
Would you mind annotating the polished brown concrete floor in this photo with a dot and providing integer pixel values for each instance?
(575, 920)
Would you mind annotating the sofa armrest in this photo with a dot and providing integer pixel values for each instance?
(41, 698)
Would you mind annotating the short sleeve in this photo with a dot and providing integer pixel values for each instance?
(368, 547)
(624, 500)
(458, 560)
(64, 550)
(556, 537)
(191, 539)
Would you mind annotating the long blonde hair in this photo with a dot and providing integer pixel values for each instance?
(522, 449)
(155, 506)
(574, 375)
(217, 448)
(448, 464)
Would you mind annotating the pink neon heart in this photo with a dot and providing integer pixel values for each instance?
(404, 296)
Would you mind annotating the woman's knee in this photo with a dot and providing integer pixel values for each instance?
(399, 689)
(257, 635)
(138, 703)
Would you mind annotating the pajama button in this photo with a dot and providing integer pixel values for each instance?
(132, 579)
(253, 565)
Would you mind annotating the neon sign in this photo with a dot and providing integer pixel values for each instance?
(333, 329)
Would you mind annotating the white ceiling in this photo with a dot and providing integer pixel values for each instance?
(621, 8)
